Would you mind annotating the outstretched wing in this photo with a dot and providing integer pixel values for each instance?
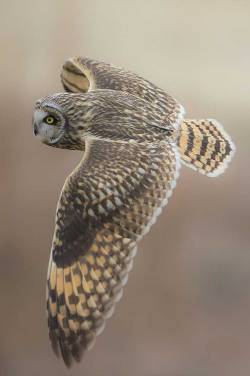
(107, 204)
(81, 75)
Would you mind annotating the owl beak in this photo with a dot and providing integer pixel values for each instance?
(37, 119)
(35, 128)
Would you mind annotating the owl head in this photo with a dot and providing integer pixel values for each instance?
(59, 120)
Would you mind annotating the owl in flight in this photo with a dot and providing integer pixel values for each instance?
(134, 139)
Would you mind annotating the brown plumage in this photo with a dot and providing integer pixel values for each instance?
(133, 136)
(203, 144)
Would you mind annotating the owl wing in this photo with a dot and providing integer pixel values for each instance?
(107, 204)
(81, 75)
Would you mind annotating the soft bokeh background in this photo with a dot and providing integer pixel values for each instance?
(186, 308)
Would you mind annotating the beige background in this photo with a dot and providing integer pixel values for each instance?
(186, 308)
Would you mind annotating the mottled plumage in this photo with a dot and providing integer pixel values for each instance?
(197, 139)
(133, 136)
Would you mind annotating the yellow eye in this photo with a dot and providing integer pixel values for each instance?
(50, 120)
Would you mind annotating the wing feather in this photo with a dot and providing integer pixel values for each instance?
(93, 250)
(81, 74)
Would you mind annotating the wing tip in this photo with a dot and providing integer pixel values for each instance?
(76, 76)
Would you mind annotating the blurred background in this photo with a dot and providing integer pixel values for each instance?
(186, 308)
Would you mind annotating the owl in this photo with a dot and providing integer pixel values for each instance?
(134, 139)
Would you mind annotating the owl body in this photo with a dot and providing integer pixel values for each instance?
(134, 139)
(105, 114)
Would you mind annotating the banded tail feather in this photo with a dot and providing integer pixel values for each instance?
(205, 146)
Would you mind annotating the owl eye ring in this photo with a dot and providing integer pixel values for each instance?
(50, 120)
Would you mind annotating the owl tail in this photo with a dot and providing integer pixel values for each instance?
(205, 146)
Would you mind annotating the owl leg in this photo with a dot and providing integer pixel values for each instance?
(205, 146)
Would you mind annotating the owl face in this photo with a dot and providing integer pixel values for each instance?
(49, 123)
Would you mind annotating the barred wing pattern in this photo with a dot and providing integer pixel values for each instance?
(82, 74)
(107, 204)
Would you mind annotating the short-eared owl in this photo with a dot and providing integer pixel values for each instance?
(134, 137)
